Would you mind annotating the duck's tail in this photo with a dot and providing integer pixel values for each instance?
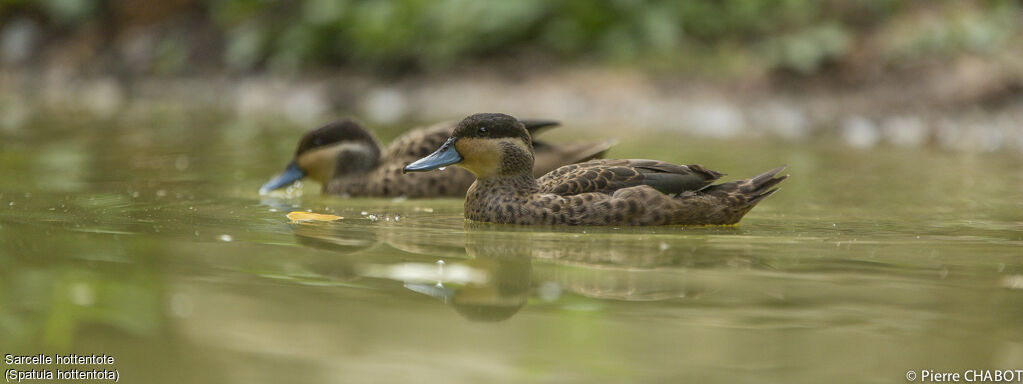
(742, 195)
(763, 185)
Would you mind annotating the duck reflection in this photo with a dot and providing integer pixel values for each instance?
(494, 271)
(499, 296)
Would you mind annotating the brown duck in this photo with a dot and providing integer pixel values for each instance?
(347, 160)
(497, 149)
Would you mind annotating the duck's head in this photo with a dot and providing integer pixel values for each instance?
(337, 149)
(486, 144)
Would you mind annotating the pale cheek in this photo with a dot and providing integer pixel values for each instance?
(478, 168)
(314, 170)
(319, 164)
(481, 157)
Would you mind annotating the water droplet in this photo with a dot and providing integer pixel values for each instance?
(225, 238)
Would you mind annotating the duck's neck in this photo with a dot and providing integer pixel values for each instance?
(518, 184)
(505, 187)
(494, 198)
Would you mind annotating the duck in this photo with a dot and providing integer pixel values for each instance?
(347, 160)
(497, 149)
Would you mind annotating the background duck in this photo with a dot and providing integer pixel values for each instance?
(347, 160)
(497, 149)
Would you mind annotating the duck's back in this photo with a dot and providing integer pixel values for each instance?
(387, 179)
(609, 175)
(418, 143)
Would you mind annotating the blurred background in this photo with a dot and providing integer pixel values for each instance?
(908, 73)
(134, 135)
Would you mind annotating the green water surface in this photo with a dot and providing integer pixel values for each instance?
(143, 237)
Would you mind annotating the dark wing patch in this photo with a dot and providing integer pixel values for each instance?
(610, 175)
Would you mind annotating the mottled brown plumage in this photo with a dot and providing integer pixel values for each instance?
(347, 160)
(598, 192)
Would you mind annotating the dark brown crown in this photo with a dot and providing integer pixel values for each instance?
(491, 126)
(341, 130)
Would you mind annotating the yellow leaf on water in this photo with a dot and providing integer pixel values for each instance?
(302, 217)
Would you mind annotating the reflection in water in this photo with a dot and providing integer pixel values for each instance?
(485, 281)
(491, 278)
(509, 268)
(500, 295)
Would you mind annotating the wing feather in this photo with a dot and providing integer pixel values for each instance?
(609, 175)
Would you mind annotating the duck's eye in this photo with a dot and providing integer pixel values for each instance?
(483, 130)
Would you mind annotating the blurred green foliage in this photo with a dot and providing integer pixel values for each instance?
(797, 34)
(729, 35)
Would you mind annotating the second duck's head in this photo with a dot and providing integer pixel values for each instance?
(486, 144)
(337, 149)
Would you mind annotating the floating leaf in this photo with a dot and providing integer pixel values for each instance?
(304, 217)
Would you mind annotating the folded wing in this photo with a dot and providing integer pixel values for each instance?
(608, 176)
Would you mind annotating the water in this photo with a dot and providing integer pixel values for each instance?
(144, 238)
